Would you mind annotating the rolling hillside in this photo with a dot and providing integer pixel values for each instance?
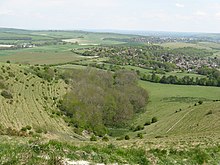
(33, 102)
(178, 110)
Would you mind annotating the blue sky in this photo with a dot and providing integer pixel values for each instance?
(155, 15)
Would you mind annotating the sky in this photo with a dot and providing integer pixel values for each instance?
(137, 15)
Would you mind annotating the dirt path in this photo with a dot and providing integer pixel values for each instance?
(179, 121)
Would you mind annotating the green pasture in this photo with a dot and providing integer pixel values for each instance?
(169, 103)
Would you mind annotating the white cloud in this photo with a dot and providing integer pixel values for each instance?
(200, 13)
(5, 12)
(217, 15)
(180, 5)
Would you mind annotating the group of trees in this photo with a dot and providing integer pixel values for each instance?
(186, 80)
(101, 99)
(47, 73)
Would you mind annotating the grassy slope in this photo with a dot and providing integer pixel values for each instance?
(29, 106)
(166, 99)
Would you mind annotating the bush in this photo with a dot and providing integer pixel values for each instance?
(93, 138)
(28, 127)
(154, 120)
(39, 130)
(24, 129)
(209, 112)
(6, 94)
(138, 128)
(105, 139)
(147, 123)
(127, 137)
(119, 138)
(200, 102)
(140, 135)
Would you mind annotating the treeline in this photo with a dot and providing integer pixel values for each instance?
(100, 99)
(186, 80)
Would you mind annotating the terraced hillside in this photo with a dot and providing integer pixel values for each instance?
(33, 101)
(181, 110)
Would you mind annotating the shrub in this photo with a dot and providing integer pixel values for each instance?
(28, 127)
(209, 112)
(147, 123)
(6, 94)
(120, 138)
(45, 98)
(93, 138)
(39, 130)
(24, 129)
(154, 120)
(138, 128)
(200, 102)
(127, 137)
(140, 135)
(105, 138)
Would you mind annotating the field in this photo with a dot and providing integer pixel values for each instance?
(215, 47)
(166, 99)
(57, 52)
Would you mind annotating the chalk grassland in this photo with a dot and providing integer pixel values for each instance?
(174, 106)
(33, 102)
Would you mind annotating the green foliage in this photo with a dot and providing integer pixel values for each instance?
(200, 102)
(127, 137)
(24, 129)
(93, 138)
(40, 130)
(154, 120)
(28, 127)
(100, 99)
(147, 123)
(138, 128)
(55, 152)
(45, 73)
(209, 112)
(105, 138)
(6, 94)
(140, 135)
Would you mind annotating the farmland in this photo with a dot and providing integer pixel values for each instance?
(174, 121)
